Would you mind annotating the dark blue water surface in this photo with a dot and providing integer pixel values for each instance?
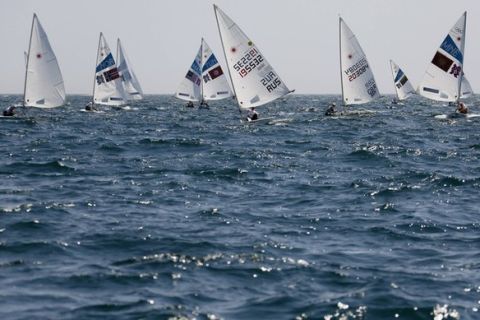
(162, 212)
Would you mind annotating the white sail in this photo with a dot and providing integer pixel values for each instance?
(190, 87)
(444, 75)
(467, 90)
(129, 79)
(214, 82)
(254, 81)
(108, 88)
(403, 86)
(44, 86)
(358, 83)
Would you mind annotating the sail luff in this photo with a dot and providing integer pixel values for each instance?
(26, 67)
(341, 62)
(96, 62)
(201, 71)
(215, 8)
(392, 69)
(459, 91)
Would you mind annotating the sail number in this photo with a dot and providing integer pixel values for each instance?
(271, 81)
(371, 87)
(248, 62)
(357, 69)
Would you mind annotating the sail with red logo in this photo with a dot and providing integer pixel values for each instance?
(358, 83)
(214, 82)
(44, 86)
(254, 80)
(107, 87)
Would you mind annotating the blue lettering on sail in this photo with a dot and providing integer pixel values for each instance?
(195, 67)
(399, 75)
(107, 62)
(211, 61)
(449, 46)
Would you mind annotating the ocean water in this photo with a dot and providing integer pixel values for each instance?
(162, 212)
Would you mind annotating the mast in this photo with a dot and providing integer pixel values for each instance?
(118, 59)
(28, 59)
(393, 75)
(118, 50)
(226, 60)
(95, 74)
(459, 91)
(340, 45)
(201, 71)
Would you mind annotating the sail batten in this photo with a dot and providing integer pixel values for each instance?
(254, 80)
(443, 78)
(44, 87)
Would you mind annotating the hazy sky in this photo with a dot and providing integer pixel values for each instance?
(298, 37)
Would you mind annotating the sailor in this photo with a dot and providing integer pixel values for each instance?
(462, 108)
(204, 104)
(331, 109)
(9, 112)
(189, 104)
(252, 114)
(90, 106)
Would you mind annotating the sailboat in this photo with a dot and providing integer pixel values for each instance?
(107, 85)
(358, 83)
(130, 82)
(43, 86)
(403, 87)
(443, 79)
(205, 80)
(255, 82)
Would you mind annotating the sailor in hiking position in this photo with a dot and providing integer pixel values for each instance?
(189, 105)
(331, 110)
(252, 114)
(90, 107)
(462, 108)
(204, 105)
(9, 112)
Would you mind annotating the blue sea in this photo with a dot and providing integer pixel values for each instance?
(156, 211)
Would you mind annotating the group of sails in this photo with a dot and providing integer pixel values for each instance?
(253, 79)
(256, 83)
(115, 83)
(443, 81)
